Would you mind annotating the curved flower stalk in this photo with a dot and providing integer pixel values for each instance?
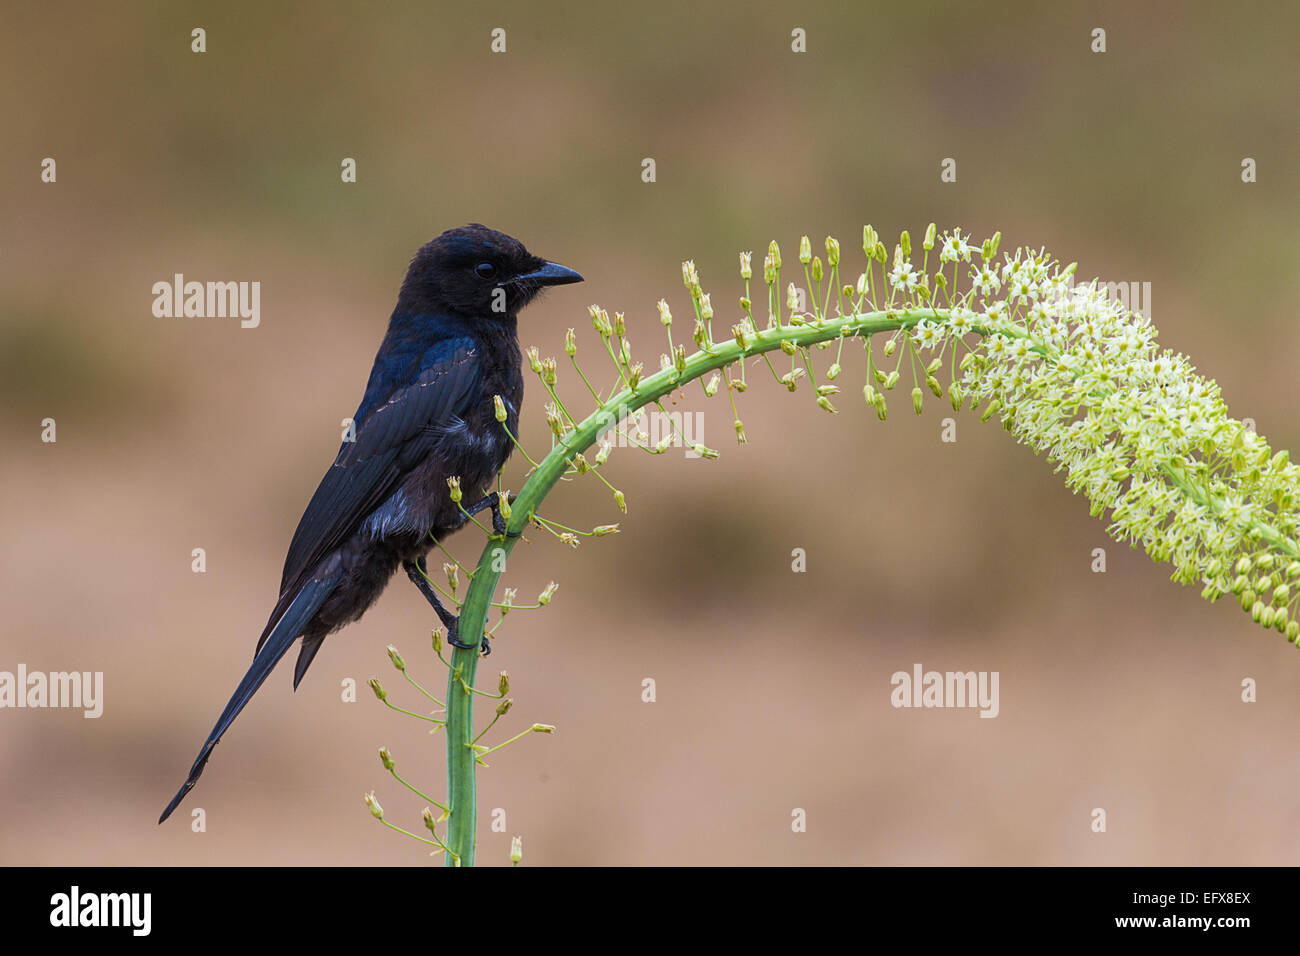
(1067, 370)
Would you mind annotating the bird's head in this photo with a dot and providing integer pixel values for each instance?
(477, 272)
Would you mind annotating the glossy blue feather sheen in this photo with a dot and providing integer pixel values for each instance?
(427, 414)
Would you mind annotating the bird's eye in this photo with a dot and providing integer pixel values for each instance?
(486, 270)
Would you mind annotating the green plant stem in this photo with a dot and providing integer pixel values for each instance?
(461, 786)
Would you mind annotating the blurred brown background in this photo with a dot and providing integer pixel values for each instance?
(1119, 691)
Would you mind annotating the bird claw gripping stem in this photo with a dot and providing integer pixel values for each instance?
(492, 502)
(419, 577)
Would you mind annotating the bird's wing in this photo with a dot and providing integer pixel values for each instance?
(369, 469)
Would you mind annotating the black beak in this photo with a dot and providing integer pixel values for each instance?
(551, 273)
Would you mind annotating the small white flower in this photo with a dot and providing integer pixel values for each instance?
(927, 334)
(903, 276)
(954, 247)
(985, 280)
(960, 320)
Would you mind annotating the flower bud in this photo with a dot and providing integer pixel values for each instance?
(570, 344)
(453, 485)
(498, 408)
(774, 251)
(746, 265)
(832, 251)
(691, 278)
(869, 240)
(378, 688)
(516, 850)
(396, 658)
(376, 810)
(805, 250)
(386, 758)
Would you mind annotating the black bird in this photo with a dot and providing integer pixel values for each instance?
(428, 414)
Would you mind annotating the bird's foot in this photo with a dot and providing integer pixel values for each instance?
(415, 571)
(484, 647)
(493, 503)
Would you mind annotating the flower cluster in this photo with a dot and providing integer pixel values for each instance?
(1076, 375)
